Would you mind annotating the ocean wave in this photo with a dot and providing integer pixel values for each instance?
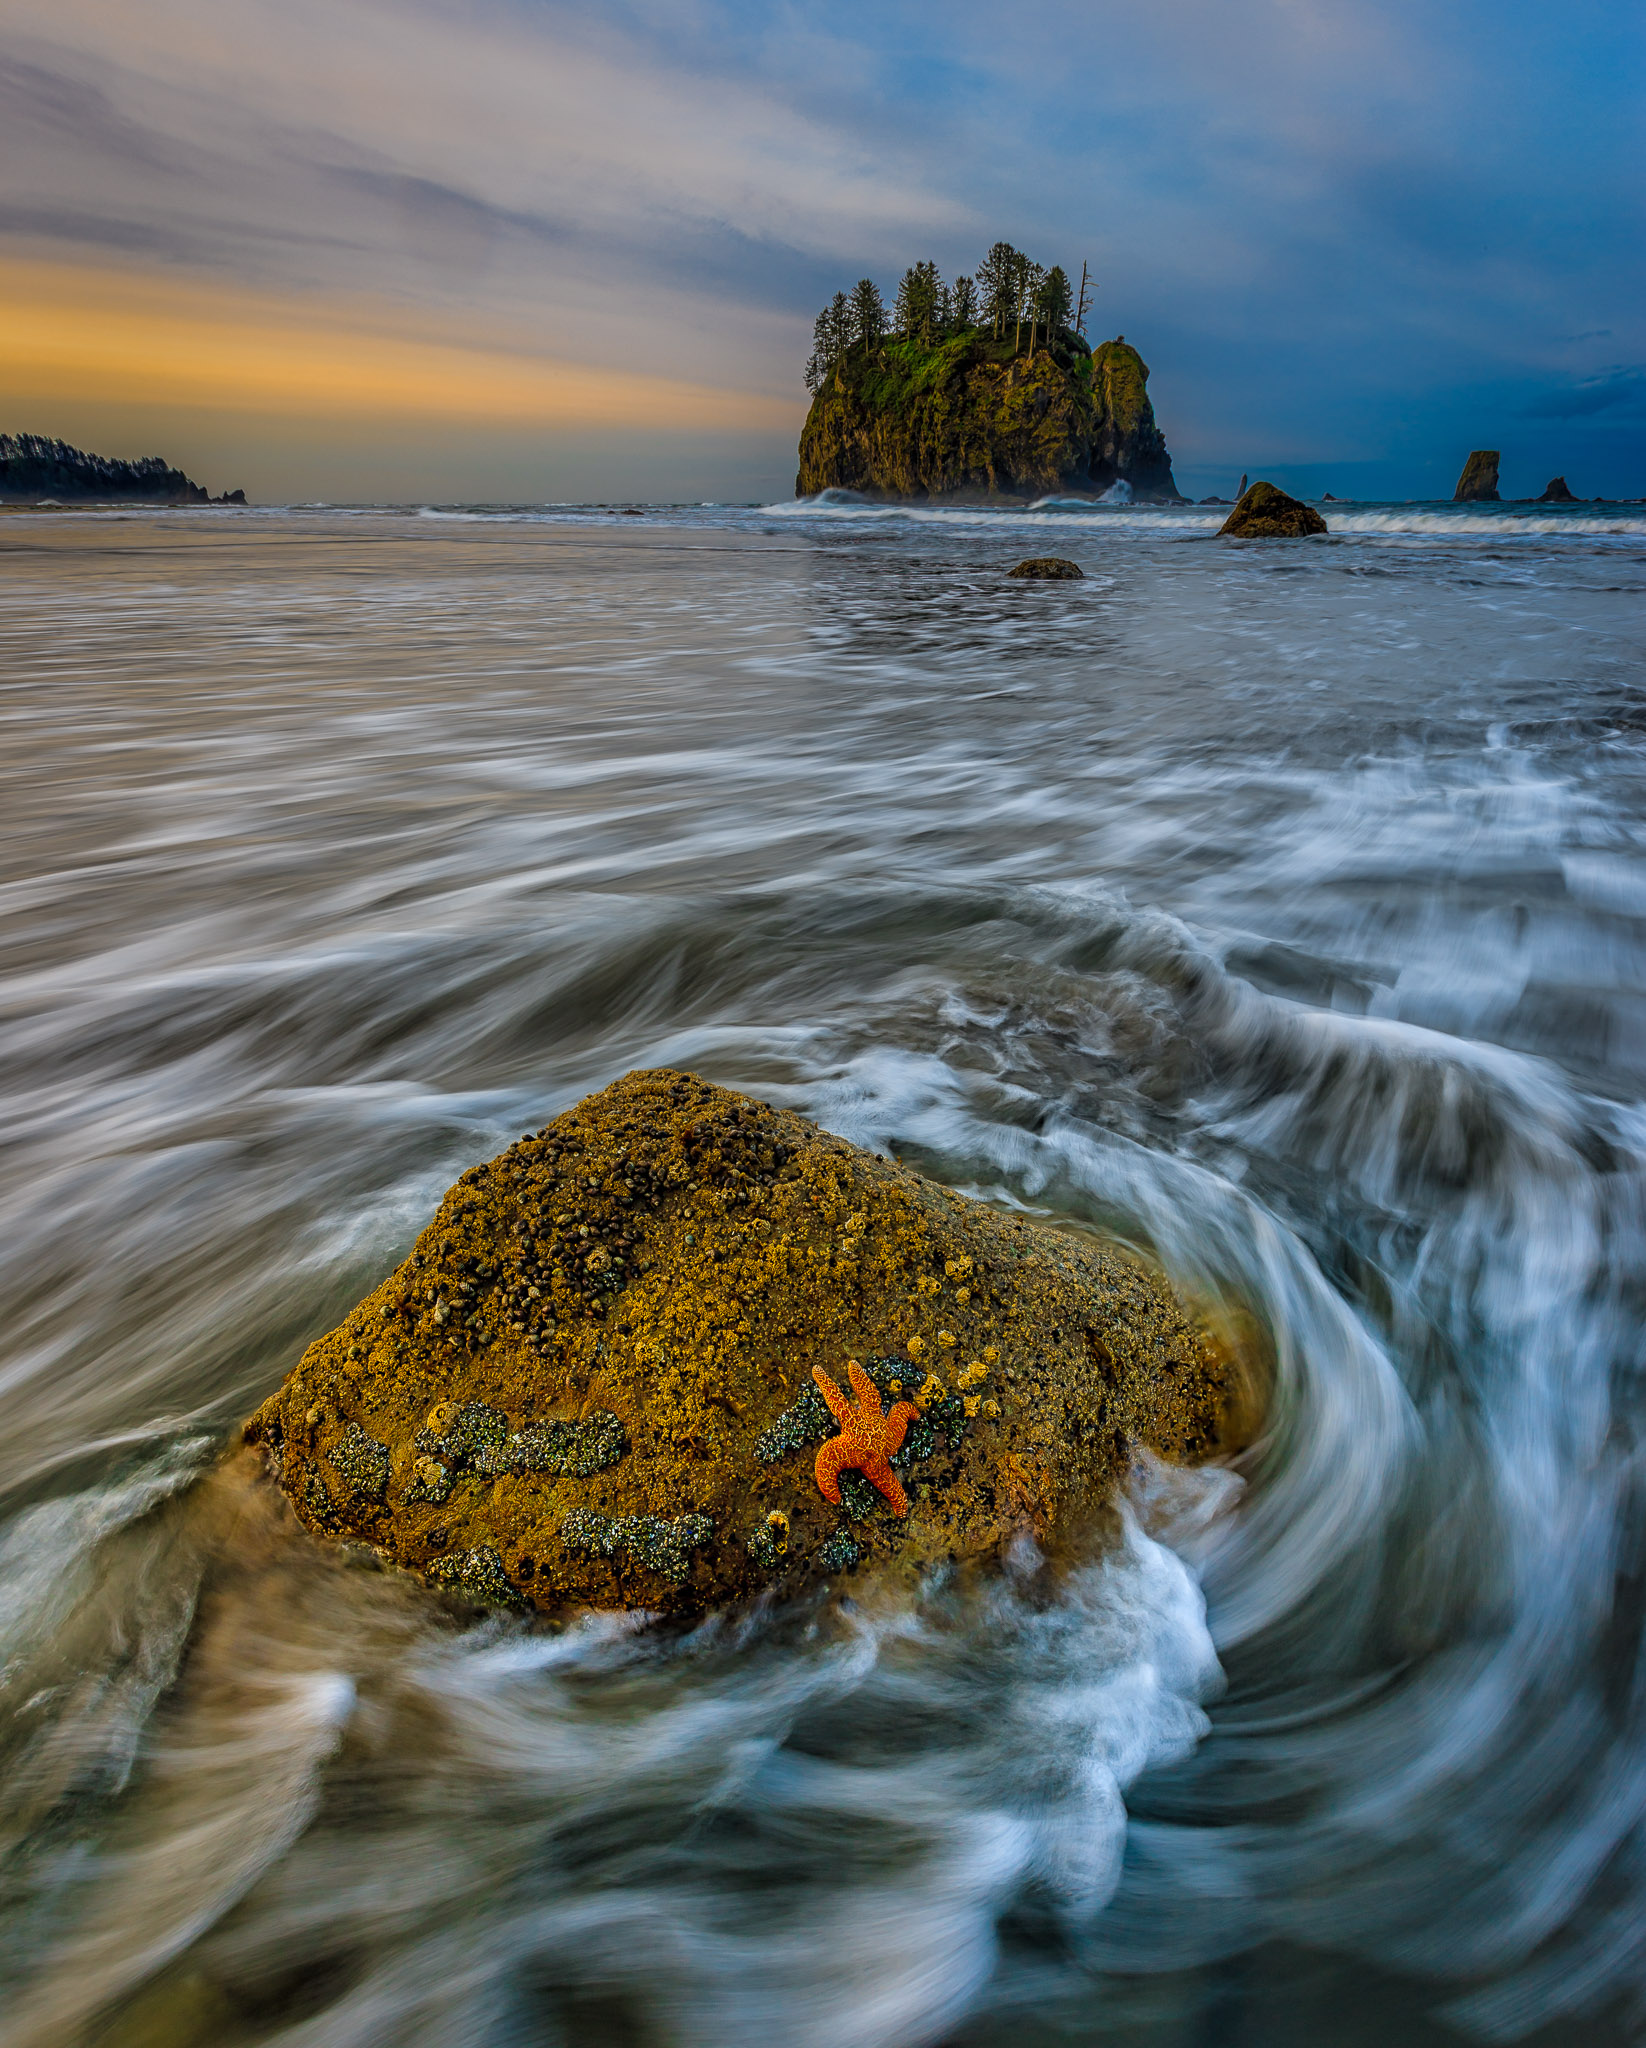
(1103, 516)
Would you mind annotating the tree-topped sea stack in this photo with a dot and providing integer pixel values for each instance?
(981, 390)
(608, 1368)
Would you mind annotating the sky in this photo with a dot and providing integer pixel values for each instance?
(460, 250)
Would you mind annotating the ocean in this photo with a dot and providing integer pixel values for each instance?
(1279, 907)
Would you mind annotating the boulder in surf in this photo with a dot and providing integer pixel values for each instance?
(594, 1380)
(1265, 512)
(1048, 569)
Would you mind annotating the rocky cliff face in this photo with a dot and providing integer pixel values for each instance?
(31, 466)
(966, 417)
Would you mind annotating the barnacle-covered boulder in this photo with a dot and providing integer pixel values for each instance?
(592, 1382)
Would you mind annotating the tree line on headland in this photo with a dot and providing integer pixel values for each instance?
(1009, 290)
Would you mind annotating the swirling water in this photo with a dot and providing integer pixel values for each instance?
(1282, 907)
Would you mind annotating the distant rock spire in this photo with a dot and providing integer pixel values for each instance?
(1478, 483)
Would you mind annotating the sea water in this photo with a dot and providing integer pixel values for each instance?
(1278, 907)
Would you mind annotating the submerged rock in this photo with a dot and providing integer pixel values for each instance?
(1478, 483)
(1048, 569)
(593, 1379)
(1556, 493)
(1267, 513)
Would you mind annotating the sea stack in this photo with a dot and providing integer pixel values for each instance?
(1556, 493)
(1478, 483)
(1127, 445)
(977, 417)
(1265, 512)
(679, 1348)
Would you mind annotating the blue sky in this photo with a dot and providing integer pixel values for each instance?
(514, 248)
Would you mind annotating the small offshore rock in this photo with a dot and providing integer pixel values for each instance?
(1556, 493)
(1265, 512)
(1048, 569)
(1478, 483)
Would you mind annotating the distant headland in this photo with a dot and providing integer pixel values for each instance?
(36, 469)
(984, 390)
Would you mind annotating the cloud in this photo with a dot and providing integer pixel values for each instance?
(1319, 221)
(73, 334)
(1622, 387)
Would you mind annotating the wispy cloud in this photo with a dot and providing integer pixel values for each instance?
(1621, 388)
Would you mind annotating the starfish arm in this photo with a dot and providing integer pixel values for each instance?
(835, 1457)
(886, 1482)
(897, 1424)
(839, 1407)
(868, 1394)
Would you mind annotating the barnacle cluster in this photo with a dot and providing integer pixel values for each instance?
(477, 1438)
(769, 1545)
(839, 1552)
(361, 1462)
(805, 1421)
(648, 1540)
(478, 1573)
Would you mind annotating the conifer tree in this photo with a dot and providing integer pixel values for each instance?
(907, 313)
(997, 285)
(1027, 277)
(840, 326)
(868, 313)
(963, 303)
(1056, 302)
(922, 310)
(831, 337)
(942, 304)
(821, 360)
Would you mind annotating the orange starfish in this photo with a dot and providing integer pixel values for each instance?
(867, 1437)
